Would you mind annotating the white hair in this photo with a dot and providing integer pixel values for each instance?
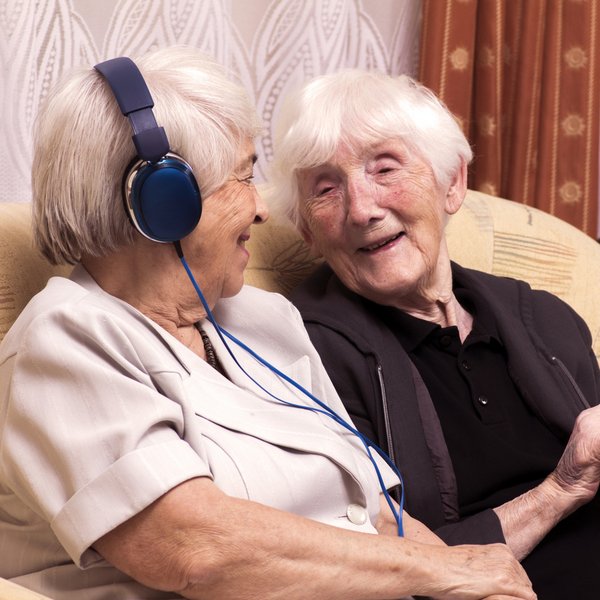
(360, 108)
(83, 145)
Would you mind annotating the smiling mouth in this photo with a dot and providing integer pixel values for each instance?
(379, 245)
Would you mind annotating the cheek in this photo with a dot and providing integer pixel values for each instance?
(229, 214)
(324, 224)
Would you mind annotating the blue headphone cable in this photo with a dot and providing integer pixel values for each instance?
(322, 407)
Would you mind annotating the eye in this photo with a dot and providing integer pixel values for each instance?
(384, 164)
(323, 190)
(324, 185)
(384, 167)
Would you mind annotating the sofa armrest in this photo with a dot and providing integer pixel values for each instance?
(13, 591)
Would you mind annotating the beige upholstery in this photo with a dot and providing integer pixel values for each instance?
(488, 233)
(12, 591)
(513, 240)
(23, 272)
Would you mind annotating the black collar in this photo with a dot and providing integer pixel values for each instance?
(412, 331)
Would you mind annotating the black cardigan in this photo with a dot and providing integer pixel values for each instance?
(549, 358)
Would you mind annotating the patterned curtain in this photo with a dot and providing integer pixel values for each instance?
(523, 79)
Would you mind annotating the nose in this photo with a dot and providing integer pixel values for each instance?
(362, 207)
(262, 211)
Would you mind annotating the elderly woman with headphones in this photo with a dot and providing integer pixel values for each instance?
(165, 430)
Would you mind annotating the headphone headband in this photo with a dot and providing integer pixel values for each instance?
(134, 99)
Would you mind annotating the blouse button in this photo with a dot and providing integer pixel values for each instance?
(482, 400)
(356, 514)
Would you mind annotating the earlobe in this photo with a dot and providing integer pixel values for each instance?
(305, 232)
(457, 190)
(308, 238)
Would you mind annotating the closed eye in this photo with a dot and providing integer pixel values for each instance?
(324, 190)
(385, 163)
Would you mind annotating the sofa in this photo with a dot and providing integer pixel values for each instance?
(488, 233)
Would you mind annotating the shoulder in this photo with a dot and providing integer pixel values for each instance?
(507, 289)
(75, 317)
(514, 298)
(254, 305)
(60, 297)
(320, 284)
(324, 300)
(261, 317)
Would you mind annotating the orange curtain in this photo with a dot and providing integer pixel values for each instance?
(523, 79)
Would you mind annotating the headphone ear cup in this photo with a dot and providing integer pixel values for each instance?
(163, 199)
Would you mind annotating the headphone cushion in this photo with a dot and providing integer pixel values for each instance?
(165, 200)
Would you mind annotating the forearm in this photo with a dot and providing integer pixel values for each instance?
(235, 549)
(527, 519)
(302, 559)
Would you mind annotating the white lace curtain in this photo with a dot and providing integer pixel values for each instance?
(272, 44)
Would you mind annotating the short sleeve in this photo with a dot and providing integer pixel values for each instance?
(88, 437)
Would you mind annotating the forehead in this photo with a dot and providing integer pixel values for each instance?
(349, 153)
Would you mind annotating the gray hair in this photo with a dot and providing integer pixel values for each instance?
(83, 144)
(360, 108)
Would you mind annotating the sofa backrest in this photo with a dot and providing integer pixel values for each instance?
(490, 234)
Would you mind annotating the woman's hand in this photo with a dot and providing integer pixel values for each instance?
(475, 572)
(468, 571)
(528, 518)
(578, 471)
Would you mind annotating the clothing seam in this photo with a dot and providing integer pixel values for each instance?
(386, 414)
(563, 368)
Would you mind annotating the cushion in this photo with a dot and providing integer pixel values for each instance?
(23, 271)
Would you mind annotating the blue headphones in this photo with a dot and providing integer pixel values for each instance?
(160, 192)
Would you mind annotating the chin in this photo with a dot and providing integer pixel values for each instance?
(232, 288)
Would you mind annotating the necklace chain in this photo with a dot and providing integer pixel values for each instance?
(211, 357)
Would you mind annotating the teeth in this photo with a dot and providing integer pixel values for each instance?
(375, 246)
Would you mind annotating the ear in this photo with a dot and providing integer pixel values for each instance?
(307, 237)
(457, 190)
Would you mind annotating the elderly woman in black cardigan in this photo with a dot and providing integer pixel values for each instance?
(481, 389)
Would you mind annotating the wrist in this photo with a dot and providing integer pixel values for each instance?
(563, 494)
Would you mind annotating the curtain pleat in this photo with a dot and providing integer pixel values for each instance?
(522, 78)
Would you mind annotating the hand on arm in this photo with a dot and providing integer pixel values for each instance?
(199, 542)
(417, 531)
(528, 518)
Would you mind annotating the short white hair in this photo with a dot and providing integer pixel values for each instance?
(359, 108)
(83, 145)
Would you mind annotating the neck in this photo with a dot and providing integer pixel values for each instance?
(150, 277)
(435, 301)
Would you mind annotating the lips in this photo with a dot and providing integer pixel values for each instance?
(382, 243)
